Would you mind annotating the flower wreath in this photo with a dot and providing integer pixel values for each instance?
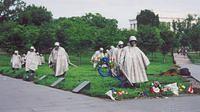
(104, 63)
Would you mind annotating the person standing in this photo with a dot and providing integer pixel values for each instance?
(59, 60)
(134, 63)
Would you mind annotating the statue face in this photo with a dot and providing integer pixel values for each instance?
(133, 43)
(56, 48)
(121, 46)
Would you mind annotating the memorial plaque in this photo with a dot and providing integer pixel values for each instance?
(83, 85)
(41, 78)
(57, 81)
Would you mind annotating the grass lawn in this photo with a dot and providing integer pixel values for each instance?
(194, 57)
(99, 85)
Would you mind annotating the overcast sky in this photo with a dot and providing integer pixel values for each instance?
(122, 10)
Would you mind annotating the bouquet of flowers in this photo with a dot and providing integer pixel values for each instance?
(155, 87)
(116, 94)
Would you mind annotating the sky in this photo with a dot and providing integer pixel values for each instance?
(121, 10)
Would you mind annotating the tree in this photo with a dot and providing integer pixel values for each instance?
(168, 41)
(149, 38)
(34, 15)
(11, 36)
(194, 36)
(105, 31)
(189, 20)
(99, 21)
(30, 36)
(183, 28)
(147, 17)
(15, 36)
(10, 9)
(45, 41)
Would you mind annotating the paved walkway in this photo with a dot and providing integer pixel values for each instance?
(185, 62)
(20, 96)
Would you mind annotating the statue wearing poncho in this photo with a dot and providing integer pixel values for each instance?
(59, 60)
(31, 60)
(16, 60)
(134, 62)
(96, 57)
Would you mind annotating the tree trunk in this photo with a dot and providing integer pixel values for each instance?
(172, 54)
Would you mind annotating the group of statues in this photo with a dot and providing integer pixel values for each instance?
(58, 60)
(129, 61)
(26, 60)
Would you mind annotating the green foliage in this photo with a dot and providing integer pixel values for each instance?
(99, 21)
(194, 57)
(15, 36)
(157, 66)
(10, 9)
(168, 42)
(93, 31)
(168, 38)
(149, 38)
(34, 15)
(187, 31)
(88, 32)
(147, 17)
(4, 60)
(30, 36)
(76, 34)
(46, 38)
(194, 37)
(4, 69)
